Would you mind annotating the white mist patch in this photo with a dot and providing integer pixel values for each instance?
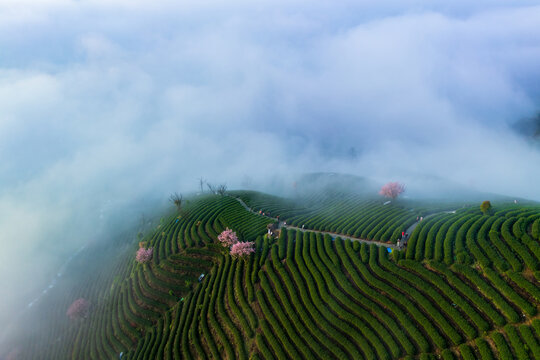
(57, 277)
(114, 101)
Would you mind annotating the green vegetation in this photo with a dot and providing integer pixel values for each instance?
(467, 285)
(485, 207)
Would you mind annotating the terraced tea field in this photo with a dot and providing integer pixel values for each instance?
(465, 287)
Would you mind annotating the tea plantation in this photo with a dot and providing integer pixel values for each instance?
(466, 286)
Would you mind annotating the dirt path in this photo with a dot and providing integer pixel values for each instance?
(281, 224)
(411, 228)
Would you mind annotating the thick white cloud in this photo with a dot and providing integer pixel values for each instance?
(115, 100)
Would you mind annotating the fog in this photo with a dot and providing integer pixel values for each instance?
(108, 104)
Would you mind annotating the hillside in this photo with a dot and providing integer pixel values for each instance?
(332, 285)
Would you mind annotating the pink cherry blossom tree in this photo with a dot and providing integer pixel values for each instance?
(144, 255)
(78, 309)
(241, 249)
(392, 189)
(228, 237)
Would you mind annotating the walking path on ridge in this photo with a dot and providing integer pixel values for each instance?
(281, 224)
(411, 228)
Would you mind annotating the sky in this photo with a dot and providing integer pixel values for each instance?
(104, 103)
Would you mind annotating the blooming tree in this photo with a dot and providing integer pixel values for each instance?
(144, 255)
(228, 237)
(241, 249)
(392, 190)
(78, 309)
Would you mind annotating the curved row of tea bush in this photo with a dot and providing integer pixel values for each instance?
(306, 296)
(323, 300)
(137, 301)
(502, 240)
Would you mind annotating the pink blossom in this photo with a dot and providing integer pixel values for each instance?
(228, 237)
(78, 309)
(392, 190)
(144, 255)
(241, 249)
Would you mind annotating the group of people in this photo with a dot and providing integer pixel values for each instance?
(402, 240)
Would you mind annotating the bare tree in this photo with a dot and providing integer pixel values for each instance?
(221, 189)
(211, 188)
(201, 183)
(177, 199)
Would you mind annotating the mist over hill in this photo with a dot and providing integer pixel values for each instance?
(337, 246)
(106, 108)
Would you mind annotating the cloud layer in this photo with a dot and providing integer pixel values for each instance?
(106, 101)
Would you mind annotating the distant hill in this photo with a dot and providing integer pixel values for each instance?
(419, 187)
